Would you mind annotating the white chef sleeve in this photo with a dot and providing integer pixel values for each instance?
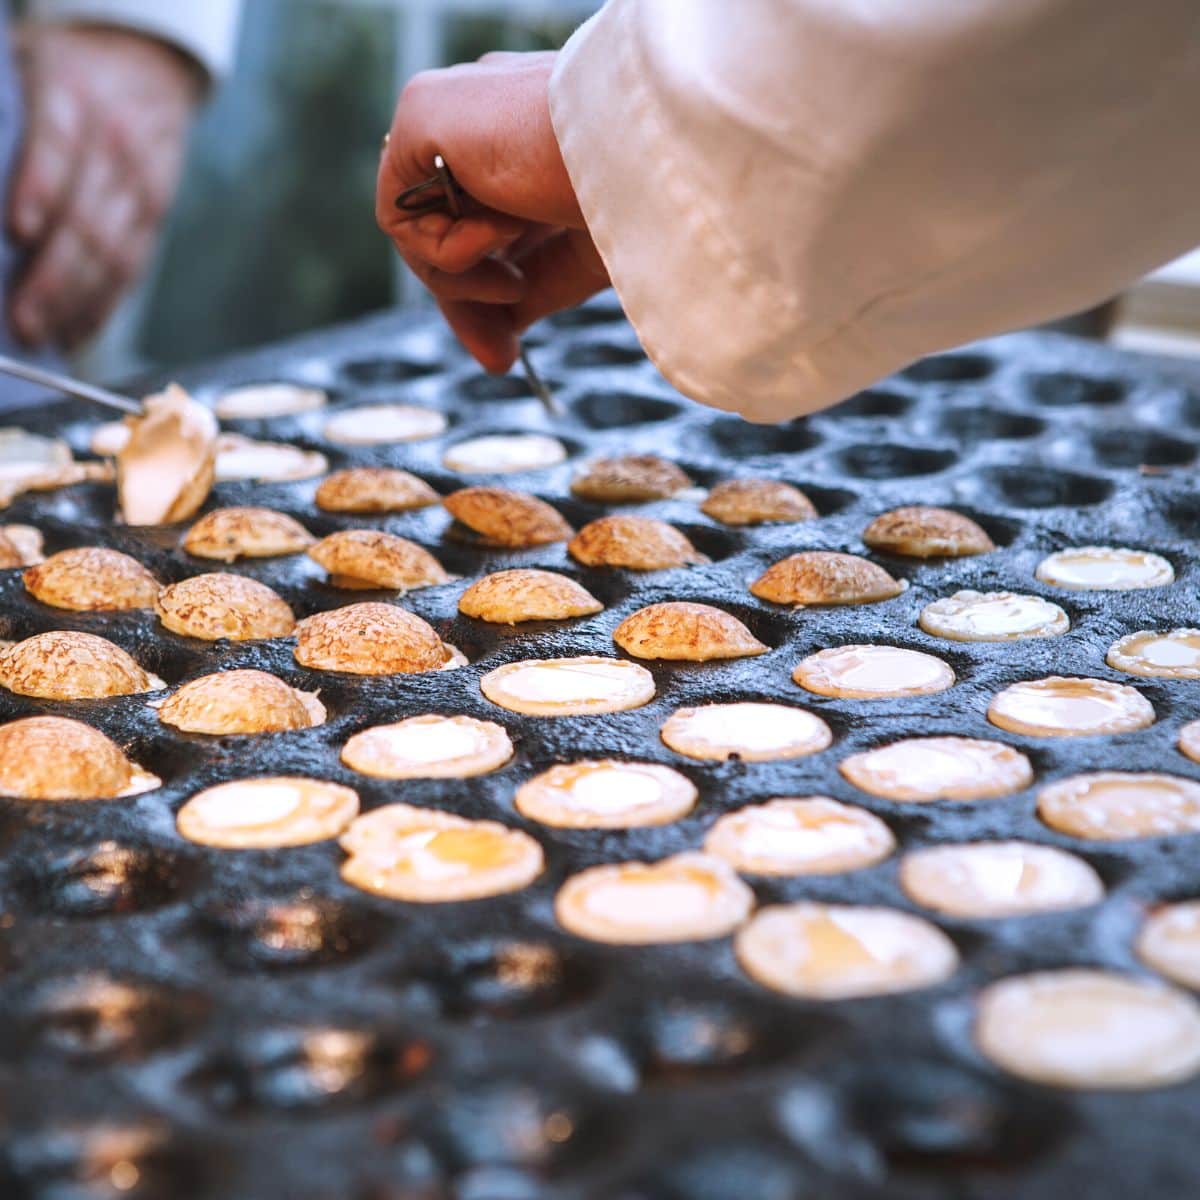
(204, 29)
(797, 197)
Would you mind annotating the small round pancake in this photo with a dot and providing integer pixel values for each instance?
(262, 401)
(1113, 805)
(970, 616)
(998, 879)
(1062, 707)
(630, 479)
(224, 606)
(838, 951)
(688, 897)
(372, 639)
(22, 546)
(757, 501)
(637, 543)
(750, 731)
(92, 579)
(53, 758)
(374, 490)
(227, 534)
(1169, 942)
(825, 577)
(241, 458)
(526, 594)
(606, 794)
(1173, 655)
(811, 835)
(1104, 568)
(567, 687)
(67, 665)
(431, 857)
(108, 439)
(261, 814)
(506, 518)
(1189, 740)
(939, 768)
(503, 454)
(240, 702)
(919, 531)
(873, 672)
(429, 747)
(370, 558)
(374, 424)
(680, 631)
(1089, 1029)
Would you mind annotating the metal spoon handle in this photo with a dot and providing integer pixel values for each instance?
(68, 386)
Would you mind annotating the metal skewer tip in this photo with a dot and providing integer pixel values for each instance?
(68, 386)
(538, 384)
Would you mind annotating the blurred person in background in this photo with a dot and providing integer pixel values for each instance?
(97, 98)
(794, 198)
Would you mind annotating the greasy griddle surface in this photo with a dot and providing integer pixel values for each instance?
(601, 1073)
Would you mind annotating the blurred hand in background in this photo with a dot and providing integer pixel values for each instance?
(107, 117)
(521, 249)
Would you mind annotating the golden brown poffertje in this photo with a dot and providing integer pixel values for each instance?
(224, 606)
(526, 594)
(630, 478)
(240, 702)
(757, 501)
(227, 534)
(372, 639)
(20, 546)
(506, 518)
(92, 579)
(67, 665)
(638, 543)
(920, 531)
(374, 490)
(685, 632)
(371, 558)
(53, 758)
(825, 577)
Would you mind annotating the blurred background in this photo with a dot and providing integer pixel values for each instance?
(273, 231)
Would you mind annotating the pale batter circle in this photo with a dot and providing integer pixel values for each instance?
(686, 898)
(869, 672)
(1169, 942)
(1172, 655)
(969, 616)
(811, 835)
(564, 687)
(374, 424)
(1104, 568)
(749, 730)
(429, 747)
(836, 951)
(998, 879)
(939, 768)
(606, 794)
(1112, 805)
(1089, 1029)
(499, 454)
(259, 814)
(1062, 707)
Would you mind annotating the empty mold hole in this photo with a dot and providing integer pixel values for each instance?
(373, 372)
(887, 460)
(1140, 447)
(499, 981)
(874, 403)
(294, 1070)
(603, 354)
(989, 425)
(733, 436)
(1044, 487)
(618, 410)
(1059, 389)
(722, 1171)
(500, 388)
(950, 368)
(287, 933)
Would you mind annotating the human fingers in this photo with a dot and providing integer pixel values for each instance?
(486, 331)
(491, 281)
(560, 272)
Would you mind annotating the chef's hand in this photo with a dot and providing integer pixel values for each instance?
(107, 117)
(521, 248)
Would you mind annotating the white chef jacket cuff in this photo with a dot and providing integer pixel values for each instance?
(714, 327)
(206, 31)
